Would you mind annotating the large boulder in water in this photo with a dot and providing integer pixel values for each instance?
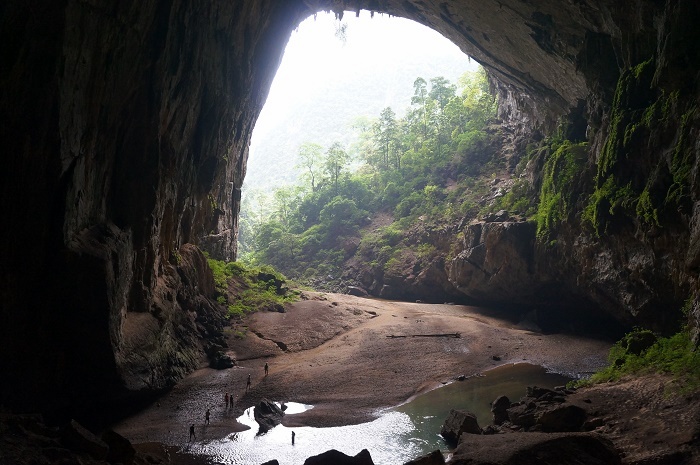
(458, 422)
(499, 408)
(334, 457)
(268, 415)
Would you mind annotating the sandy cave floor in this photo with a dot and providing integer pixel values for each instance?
(333, 351)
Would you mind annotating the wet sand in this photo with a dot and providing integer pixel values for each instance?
(351, 357)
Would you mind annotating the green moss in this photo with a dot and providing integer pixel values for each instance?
(557, 194)
(257, 287)
(638, 116)
(682, 160)
(606, 201)
(517, 200)
(646, 210)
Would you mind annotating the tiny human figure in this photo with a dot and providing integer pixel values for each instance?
(206, 417)
(226, 399)
(192, 435)
(247, 386)
(267, 368)
(293, 434)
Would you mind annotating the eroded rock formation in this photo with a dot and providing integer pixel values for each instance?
(125, 130)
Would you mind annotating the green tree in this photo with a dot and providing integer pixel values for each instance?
(441, 90)
(336, 162)
(420, 101)
(385, 136)
(341, 216)
(284, 200)
(311, 160)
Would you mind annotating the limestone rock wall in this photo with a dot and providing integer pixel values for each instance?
(125, 127)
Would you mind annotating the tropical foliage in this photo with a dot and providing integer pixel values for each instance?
(413, 169)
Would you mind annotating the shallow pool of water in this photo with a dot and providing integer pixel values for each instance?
(395, 437)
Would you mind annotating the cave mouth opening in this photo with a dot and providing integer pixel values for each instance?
(334, 72)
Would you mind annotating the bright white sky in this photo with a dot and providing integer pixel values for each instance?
(314, 54)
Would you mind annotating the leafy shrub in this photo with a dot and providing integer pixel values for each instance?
(256, 288)
(675, 355)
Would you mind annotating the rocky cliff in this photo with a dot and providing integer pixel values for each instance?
(125, 127)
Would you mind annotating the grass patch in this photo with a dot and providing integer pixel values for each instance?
(247, 289)
(640, 352)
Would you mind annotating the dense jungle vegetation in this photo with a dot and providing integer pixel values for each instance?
(426, 167)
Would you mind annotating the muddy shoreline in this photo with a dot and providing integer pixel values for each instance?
(350, 357)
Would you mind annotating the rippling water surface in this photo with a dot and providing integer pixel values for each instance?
(397, 436)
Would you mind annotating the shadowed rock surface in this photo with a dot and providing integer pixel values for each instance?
(535, 449)
(334, 457)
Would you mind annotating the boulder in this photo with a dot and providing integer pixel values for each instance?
(120, 448)
(357, 291)
(334, 457)
(499, 409)
(221, 360)
(540, 392)
(522, 414)
(535, 449)
(561, 418)
(268, 415)
(75, 437)
(433, 458)
(457, 423)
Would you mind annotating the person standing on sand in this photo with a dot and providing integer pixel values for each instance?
(226, 399)
(267, 368)
(247, 386)
(293, 434)
(206, 417)
(192, 435)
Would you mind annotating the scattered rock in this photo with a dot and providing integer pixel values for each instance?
(457, 423)
(538, 392)
(522, 414)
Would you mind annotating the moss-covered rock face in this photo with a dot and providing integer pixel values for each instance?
(126, 126)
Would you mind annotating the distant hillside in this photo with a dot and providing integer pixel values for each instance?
(346, 82)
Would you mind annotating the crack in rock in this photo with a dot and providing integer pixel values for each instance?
(280, 344)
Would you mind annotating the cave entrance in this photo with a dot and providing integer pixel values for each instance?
(336, 76)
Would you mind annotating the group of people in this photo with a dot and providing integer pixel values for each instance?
(229, 401)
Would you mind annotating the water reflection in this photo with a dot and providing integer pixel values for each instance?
(397, 436)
